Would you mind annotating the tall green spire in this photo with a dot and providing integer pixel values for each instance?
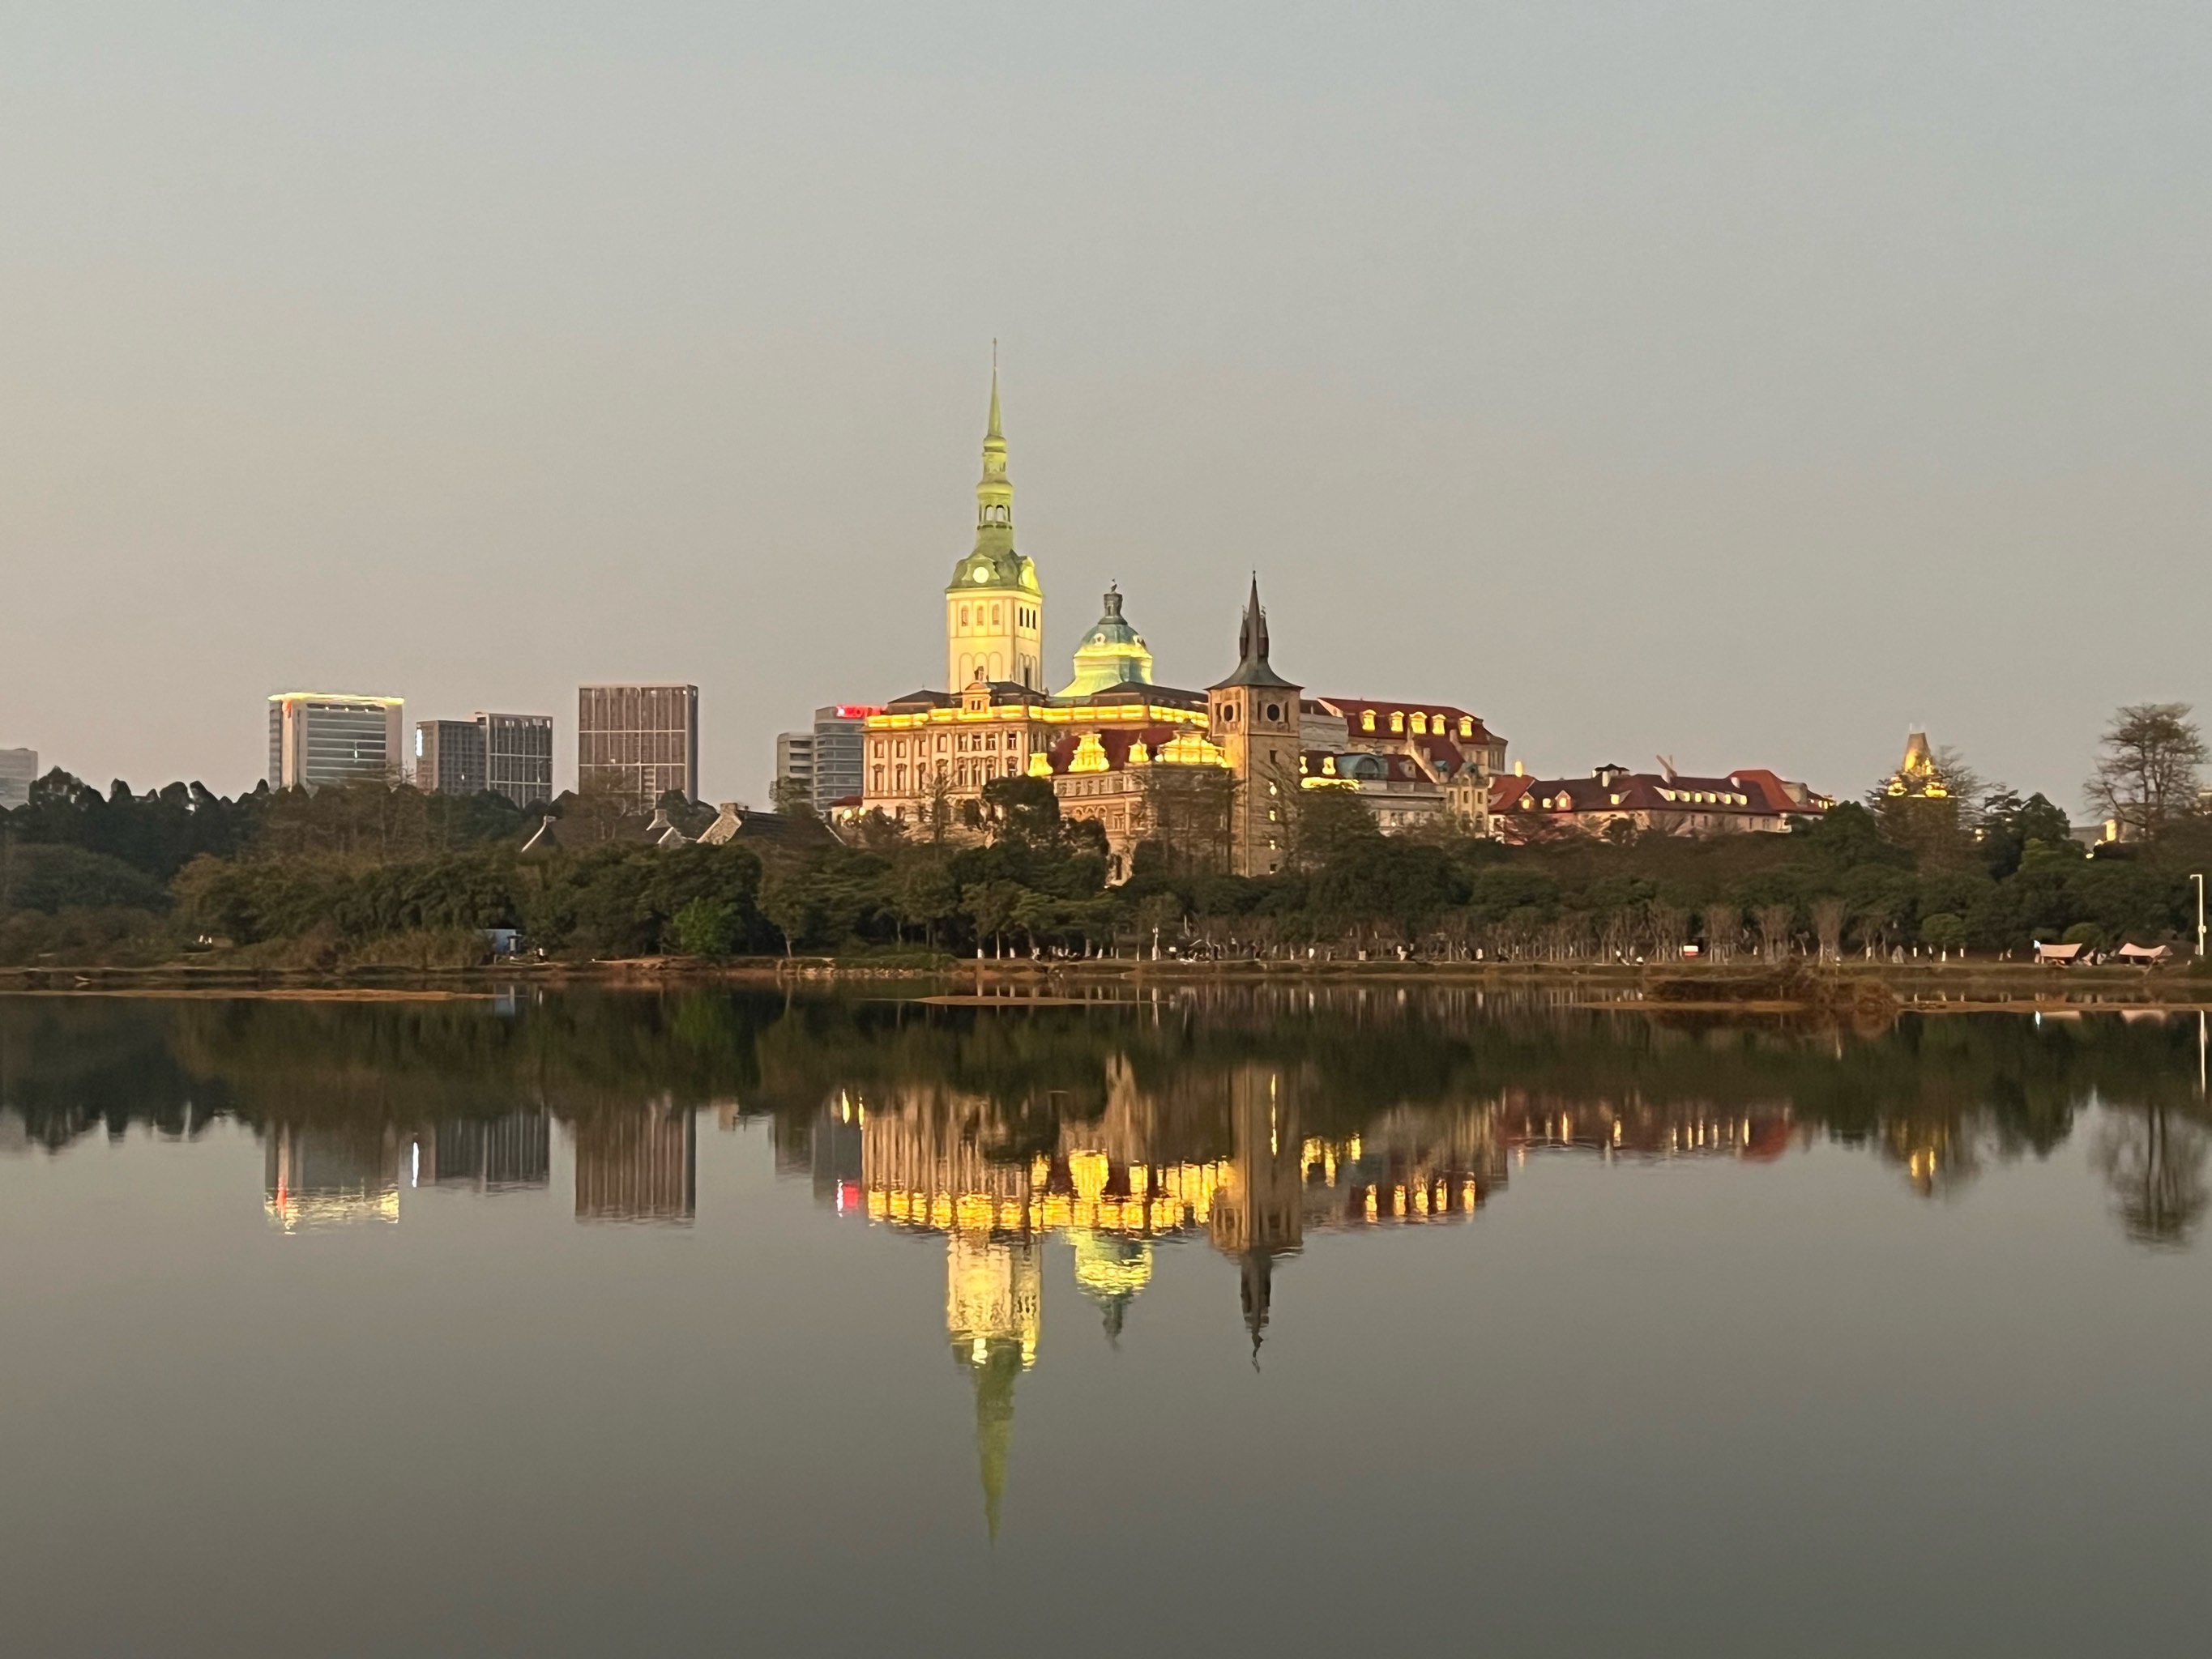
(995, 491)
(993, 552)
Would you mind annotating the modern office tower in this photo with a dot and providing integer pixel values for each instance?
(317, 738)
(638, 740)
(518, 757)
(449, 756)
(794, 763)
(510, 755)
(839, 729)
(19, 770)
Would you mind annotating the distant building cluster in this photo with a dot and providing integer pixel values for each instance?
(636, 741)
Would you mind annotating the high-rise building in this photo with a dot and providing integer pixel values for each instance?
(510, 755)
(839, 746)
(827, 760)
(317, 738)
(449, 756)
(19, 770)
(794, 763)
(638, 740)
(518, 757)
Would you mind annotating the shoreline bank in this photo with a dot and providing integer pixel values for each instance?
(1678, 987)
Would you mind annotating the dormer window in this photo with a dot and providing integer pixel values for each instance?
(1466, 726)
(1367, 719)
(1397, 720)
(1420, 725)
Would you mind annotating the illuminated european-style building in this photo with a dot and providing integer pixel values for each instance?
(929, 752)
(1127, 752)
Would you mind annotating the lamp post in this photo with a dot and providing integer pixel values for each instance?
(2199, 880)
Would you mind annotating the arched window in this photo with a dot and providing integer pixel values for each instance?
(1420, 725)
(1397, 720)
(1367, 719)
(994, 616)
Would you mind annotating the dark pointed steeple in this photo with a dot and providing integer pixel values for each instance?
(1253, 667)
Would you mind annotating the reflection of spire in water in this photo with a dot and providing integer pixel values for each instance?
(995, 1369)
(993, 1308)
(1111, 1269)
(1256, 1273)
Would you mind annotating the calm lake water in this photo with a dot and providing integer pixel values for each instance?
(1230, 1322)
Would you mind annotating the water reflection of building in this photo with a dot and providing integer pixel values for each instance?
(489, 1155)
(994, 1309)
(322, 1175)
(639, 1164)
(1217, 1156)
(1757, 1132)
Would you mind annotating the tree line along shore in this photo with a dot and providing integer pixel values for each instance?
(368, 876)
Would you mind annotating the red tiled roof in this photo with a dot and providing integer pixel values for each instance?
(1748, 793)
(1351, 708)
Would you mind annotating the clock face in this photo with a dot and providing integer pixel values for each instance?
(981, 572)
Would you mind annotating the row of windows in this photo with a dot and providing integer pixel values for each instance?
(961, 775)
(960, 743)
(1424, 724)
(632, 748)
(994, 615)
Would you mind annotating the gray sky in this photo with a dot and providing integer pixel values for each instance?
(1732, 380)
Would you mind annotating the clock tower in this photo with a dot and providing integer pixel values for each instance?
(993, 608)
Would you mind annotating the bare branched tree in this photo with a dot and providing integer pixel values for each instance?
(2147, 767)
(1774, 923)
(1828, 916)
(1723, 923)
(1669, 929)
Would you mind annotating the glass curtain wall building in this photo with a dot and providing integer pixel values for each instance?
(510, 755)
(19, 770)
(317, 738)
(838, 740)
(518, 757)
(638, 740)
(449, 756)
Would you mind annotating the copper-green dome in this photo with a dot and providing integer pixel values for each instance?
(1111, 653)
